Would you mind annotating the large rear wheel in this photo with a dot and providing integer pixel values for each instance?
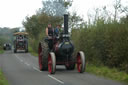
(81, 62)
(51, 63)
(43, 56)
(40, 58)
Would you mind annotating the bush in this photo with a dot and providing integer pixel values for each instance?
(104, 44)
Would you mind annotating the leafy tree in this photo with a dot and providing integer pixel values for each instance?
(6, 35)
(56, 7)
(32, 26)
(75, 21)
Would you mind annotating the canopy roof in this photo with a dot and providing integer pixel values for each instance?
(20, 33)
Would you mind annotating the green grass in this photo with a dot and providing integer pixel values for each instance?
(32, 51)
(104, 71)
(3, 81)
(1, 51)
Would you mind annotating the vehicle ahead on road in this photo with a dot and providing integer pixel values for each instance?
(7, 46)
(61, 53)
(20, 41)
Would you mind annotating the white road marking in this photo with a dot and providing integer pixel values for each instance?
(36, 69)
(56, 79)
(34, 58)
(39, 70)
(18, 58)
(27, 64)
(21, 60)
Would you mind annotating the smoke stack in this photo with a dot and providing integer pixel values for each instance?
(65, 23)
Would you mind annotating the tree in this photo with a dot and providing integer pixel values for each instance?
(124, 9)
(15, 29)
(117, 7)
(33, 26)
(56, 7)
(6, 35)
(75, 21)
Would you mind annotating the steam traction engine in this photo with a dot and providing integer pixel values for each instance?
(20, 41)
(61, 53)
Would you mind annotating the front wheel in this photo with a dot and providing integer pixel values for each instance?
(51, 63)
(81, 62)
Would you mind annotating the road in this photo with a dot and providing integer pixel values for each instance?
(22, 69)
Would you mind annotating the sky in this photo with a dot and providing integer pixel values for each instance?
(83, 7)
(13, 12)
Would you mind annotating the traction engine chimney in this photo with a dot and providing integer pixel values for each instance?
(65, 23)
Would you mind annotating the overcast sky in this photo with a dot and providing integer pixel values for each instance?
(12, 12)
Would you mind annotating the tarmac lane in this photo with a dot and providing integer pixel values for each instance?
(22, 69)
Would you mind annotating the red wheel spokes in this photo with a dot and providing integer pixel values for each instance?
(49, 64)
(78, 63)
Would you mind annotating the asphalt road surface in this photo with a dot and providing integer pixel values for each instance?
(22, 69)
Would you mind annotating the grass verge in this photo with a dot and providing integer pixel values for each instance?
(104, 71)
(32, 51)
(3, 81)
(1, 51)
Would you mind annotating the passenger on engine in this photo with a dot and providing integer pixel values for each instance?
(58, 30)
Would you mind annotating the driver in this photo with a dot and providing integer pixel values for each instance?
(49, 31)
(49, 34)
